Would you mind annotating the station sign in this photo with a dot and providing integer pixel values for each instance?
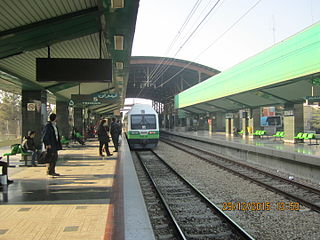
(71, 103)
(312, 99)
(88, 99)
(105, 95)
(31, 107)
(229, 115)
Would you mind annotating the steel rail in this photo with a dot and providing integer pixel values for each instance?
(289, 195)
(173, 219)
(242, 233)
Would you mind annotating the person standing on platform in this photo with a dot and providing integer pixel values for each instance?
(114, 131)
(51, 141)
(120, 131)
(103, 138)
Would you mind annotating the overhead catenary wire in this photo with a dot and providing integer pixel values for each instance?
(216, 40)
(168, 63)
(185, 42)
(193, 10)
(195, 30)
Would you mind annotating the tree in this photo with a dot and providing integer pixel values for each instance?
(10, 113)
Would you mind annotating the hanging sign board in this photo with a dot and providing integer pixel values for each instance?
(73, 70)
(229, 115)
(87, 99)
(84, 99)
(71, 103)
(312, 99)
(105, 95)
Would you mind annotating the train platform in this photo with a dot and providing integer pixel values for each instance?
(299, 159)
(94, 198)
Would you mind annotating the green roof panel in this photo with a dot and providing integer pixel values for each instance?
(295, 57)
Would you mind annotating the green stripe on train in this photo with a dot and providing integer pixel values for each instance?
(140, 136)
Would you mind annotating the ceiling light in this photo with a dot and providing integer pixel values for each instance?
(117, 3)
(118, 42)
(119, 65)
(119, 78)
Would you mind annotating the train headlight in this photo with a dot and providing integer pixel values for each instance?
(152, 132)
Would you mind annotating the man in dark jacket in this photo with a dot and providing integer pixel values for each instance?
(51, 140)
(103, 137)
(29, 146)
(114, 131)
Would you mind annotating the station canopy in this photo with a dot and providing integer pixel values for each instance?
(286, 73)
(160, 78)
(86, 29)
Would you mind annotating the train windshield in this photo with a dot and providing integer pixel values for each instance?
(146, 121)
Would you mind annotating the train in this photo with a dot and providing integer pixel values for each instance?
(141, 126)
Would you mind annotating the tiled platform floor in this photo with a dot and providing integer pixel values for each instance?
(72, 206)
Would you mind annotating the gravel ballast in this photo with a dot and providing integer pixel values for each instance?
(223, 187)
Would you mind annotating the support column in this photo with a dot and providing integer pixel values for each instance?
(254, 121)
(293, 121)
(78, 119)
(229, 124)
(188, 123)
(34, 118)
(63, 119)
(245, 123)
(220, 123)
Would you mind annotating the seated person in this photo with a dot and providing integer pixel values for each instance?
(77, 136)
(236, 132)
(29, 146)
(4, 166)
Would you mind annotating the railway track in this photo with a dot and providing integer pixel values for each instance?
(305, 195)
(163, 226)
(194, 215)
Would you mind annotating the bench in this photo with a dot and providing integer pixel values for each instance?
(259, 133)
(241, 132)
(17, 149)
(14, 151)
(278, 134)
(24, 155)
(64, 141)
(310, 137)
(301, 137)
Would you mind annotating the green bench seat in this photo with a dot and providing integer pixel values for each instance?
(17, 149)
(64, 141)
(278, 134)
(241, 132)
(259, 133)
(14, 151)
(310, 137)
(306, 136)
(24, 155)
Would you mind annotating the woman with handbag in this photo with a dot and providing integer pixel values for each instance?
(103, 137)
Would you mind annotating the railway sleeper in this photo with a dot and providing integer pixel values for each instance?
(216, 236)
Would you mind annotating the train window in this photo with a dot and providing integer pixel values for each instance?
(147, 121)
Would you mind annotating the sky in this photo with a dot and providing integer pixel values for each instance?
(269, 22)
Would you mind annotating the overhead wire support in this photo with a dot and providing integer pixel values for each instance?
(193, 10)
(207, 15)
(168, 63)
(217, 39)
